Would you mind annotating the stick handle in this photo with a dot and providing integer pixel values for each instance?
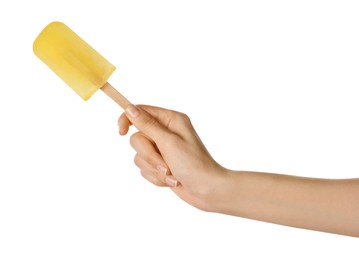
(115, 95)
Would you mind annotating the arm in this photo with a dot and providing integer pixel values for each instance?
(169, 153)
(317, 204)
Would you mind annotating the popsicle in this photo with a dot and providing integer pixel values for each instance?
(76, 62)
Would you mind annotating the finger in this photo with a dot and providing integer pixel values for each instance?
(123, 124)
(143, 165)
(147, 124)
(148, 152)
(177, 122)
(168, 179)
(153, 179)
(161, 114)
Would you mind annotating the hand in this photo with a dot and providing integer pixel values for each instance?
(170, 153)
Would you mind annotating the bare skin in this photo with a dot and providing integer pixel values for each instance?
(170, 154)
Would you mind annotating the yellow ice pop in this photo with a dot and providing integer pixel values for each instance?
(76, 62)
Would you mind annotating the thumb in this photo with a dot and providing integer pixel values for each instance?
(146, 123)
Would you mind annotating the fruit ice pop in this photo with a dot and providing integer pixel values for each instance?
(76, 62)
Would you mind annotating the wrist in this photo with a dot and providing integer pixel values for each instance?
(219, 196)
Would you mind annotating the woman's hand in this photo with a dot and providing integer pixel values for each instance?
(170, 153)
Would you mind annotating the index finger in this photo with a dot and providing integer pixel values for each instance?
(123, 124)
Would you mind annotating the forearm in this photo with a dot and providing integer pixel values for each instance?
(317, 204)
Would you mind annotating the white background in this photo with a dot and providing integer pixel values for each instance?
(269, 85)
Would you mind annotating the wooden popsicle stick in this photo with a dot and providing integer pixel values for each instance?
(115, 95)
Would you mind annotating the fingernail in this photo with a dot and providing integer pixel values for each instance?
(162, 170)
(170, 181)
(132, 111)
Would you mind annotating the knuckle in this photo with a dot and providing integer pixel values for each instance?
(185, 117)
(134, 138)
